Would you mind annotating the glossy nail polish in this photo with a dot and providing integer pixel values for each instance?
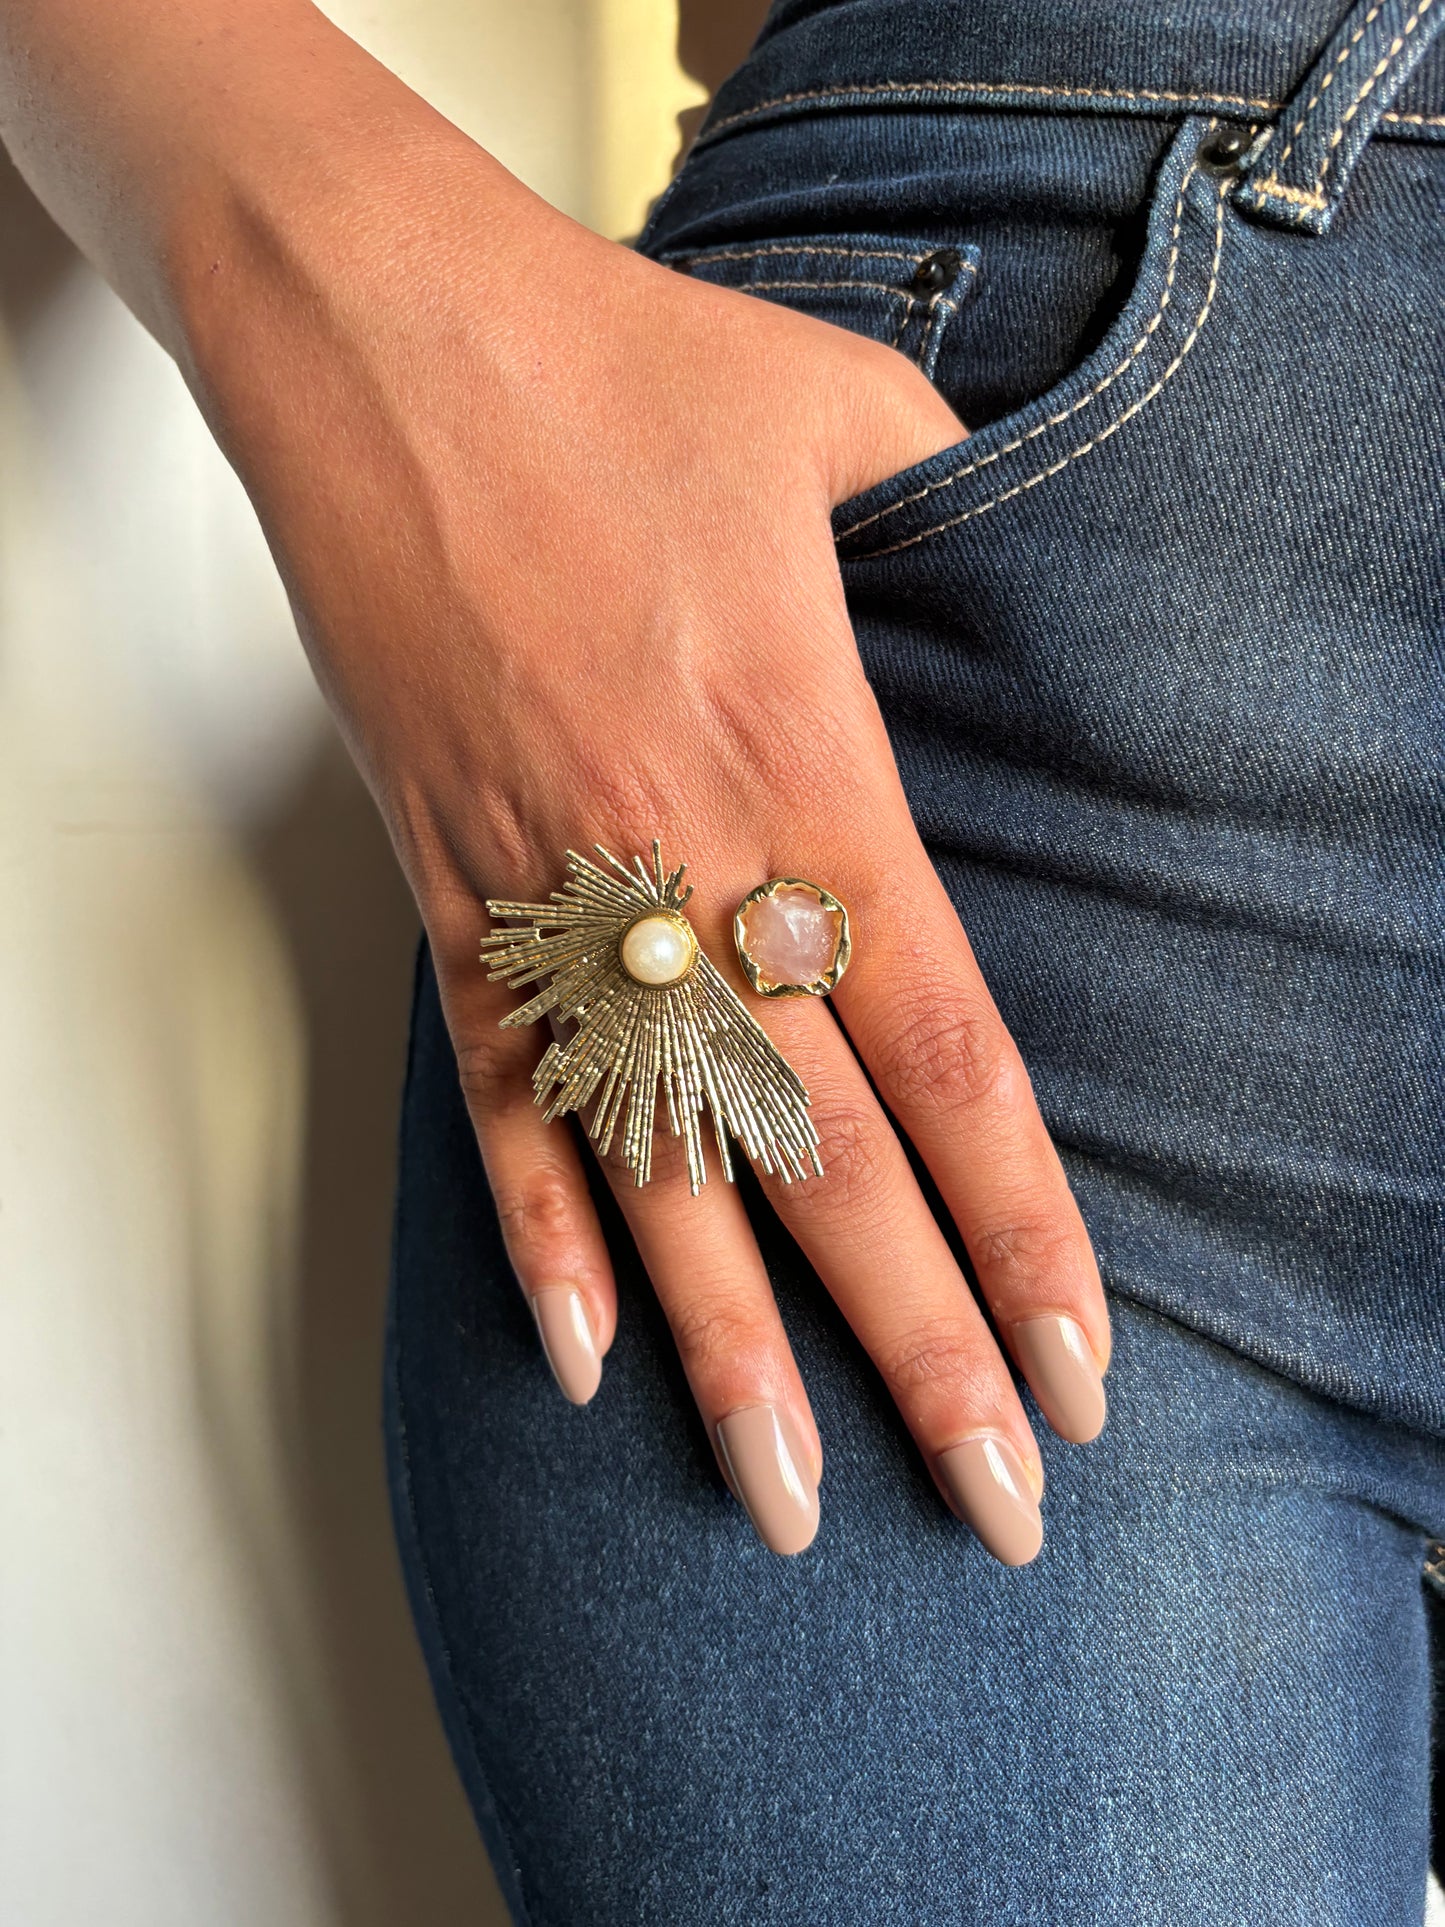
(986, 1480)
(566, 1334)
(765, 1462)
(1058, 1362)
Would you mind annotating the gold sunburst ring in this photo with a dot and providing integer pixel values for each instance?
(793, 938)
(625, 967)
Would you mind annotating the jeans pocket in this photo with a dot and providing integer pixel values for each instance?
(1150, 339)
(902, 291)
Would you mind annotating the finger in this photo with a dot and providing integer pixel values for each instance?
(869, 1233)
(548, 1221)
(920, 1015)
(710, 1279)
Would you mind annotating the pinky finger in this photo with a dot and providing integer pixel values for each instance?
(548, 1220)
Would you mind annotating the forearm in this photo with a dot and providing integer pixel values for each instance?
(182, 142)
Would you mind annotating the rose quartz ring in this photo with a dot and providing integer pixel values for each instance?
(792, 937)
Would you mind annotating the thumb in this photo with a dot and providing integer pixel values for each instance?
(888, 419)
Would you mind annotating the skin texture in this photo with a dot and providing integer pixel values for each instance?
(554, 525)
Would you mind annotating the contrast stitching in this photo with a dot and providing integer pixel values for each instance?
(806, 247)
(939, 304)
(1103, 435)
(1354, 106)
(871, 90)
(1217, 102)
(1340, 58)
(907, 316)
(1084, 401)
(1271, 184)
(879, 287)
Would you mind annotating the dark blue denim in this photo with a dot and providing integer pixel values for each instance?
(1159, 648)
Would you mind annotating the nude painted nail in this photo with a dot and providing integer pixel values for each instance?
(986, 1480)
(1058, 1363)
(566, 1334)
(765, 1461)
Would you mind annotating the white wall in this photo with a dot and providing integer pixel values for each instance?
(212, 1713)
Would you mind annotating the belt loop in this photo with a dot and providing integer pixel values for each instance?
(1299, 172)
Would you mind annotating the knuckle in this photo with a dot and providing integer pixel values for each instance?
(953, 1054)
(537, 1214)
(710, 1329)
(625, 804)
(488, 1077)
(851, 1150)
(1018, 1254)
(943, 1355)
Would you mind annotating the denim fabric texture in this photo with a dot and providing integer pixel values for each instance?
(1159, 647)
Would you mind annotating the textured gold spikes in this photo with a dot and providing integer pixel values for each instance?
(693, 1037)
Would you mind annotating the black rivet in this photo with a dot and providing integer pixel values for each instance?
(935, 271)
(681, 267)
(1222, 151)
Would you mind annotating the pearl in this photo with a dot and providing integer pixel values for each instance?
(658, 950)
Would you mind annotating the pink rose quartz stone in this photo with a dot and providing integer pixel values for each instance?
(791, 938)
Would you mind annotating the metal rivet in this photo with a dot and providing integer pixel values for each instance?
(935, 271)
(1222, 151)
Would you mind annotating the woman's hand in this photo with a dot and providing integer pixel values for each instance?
(555, 525)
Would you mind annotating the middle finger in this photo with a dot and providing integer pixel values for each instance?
(868, 1231)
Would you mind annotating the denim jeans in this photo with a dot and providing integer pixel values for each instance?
(1159, 652)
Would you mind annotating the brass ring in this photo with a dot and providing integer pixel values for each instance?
(648, 1009)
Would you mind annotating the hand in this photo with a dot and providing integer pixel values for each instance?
(555, 524)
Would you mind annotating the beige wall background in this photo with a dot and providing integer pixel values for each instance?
(212, 1713)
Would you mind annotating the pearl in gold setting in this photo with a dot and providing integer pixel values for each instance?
(658, 950)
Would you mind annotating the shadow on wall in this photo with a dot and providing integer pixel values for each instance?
(395, 1828)
(713, 37)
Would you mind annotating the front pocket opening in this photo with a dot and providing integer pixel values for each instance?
(1150, 340)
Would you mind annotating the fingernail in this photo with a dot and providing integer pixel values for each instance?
(765, 1461)
(985, 1479)
(1058, 1363)
(566, 1335)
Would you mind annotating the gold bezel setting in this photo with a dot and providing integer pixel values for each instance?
(843, 951)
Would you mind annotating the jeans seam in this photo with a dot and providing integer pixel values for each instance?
(876, 287)
(938, 305)
(1085, 448)
(1064, 414)
(1062, 90)
(805, 247)
(1389, 60)
(985, 88)
(907, 316)
(939, 302)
